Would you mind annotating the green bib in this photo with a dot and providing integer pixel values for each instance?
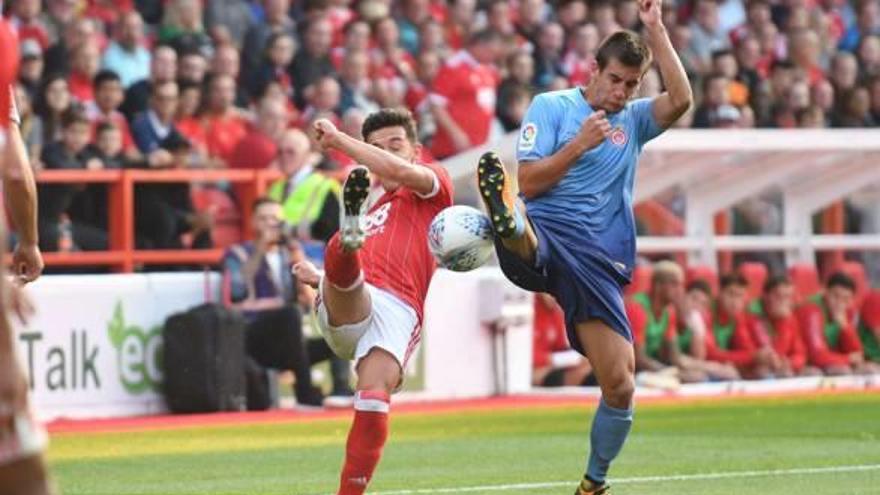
(303, 204)
(654, 329)
(722, 333)
(869, 342)
(832, 328)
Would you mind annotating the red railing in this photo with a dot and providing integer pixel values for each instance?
(122, 255)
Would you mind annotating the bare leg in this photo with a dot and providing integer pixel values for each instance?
(613, 360)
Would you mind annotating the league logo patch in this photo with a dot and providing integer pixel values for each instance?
(528, 136)
(618, 136)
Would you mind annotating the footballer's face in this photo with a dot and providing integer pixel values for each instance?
(670, 290)
(779, 302)
(615, 85)
(393, 140)
(732, 299)
(839, 300)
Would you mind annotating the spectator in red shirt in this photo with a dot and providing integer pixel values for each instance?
(464, 96)
(323, 100)
(554, 362)
(772, 322)
(188, 122)
(108, 97)
(275, 65)
(223, 123)
(728, 339)
(192, 66)
(803, 50)
(392, 66)
(356, 39)
(828, 325)
(260, 146)
(84, 66)
(26, 21)
(581, 53)
(459, 19)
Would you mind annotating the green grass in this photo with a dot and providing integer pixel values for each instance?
(534, 445)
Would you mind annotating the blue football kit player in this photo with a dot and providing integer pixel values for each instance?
(575, 237)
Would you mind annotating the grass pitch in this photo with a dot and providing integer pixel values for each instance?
(821, 445)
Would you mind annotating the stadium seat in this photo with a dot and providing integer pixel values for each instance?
(227, 218)
(703, 272)
(641, 280)
(805, 279)
(756, 274)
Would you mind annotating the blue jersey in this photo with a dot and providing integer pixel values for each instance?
(593, 200)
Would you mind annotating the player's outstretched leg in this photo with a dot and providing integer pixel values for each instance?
(378, 375)
(507, 214)
(612, 357)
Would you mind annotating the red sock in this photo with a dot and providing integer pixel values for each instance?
(365, 441)
(342, 268)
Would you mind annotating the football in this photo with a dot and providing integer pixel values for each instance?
(460, 238)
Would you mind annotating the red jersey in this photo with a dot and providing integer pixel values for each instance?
(223, 133)
(467, 89)
(549, 333)
(395, 256)
(8, 70)
(783, 335)
(828, 343)
(728, 339)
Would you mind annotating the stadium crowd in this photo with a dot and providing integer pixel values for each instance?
(236, 83)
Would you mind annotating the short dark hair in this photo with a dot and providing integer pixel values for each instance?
(732, 279)
(700, 285)
(775, 281)
(263, 200)
(75, 114)
(104, 76)
(626, 47)
(483, 36)
(723, 52)
(840, 279)
(710, 78)
(390, 117)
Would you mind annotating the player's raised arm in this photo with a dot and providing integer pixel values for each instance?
(678, 97)
(379, 161)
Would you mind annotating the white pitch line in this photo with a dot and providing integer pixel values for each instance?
(640, 479)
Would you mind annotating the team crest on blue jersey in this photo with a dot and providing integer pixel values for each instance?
(618, 136)
(528, 136)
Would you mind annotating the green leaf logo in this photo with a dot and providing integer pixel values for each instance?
(116, 326)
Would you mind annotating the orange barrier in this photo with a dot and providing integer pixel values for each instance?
(122, 256)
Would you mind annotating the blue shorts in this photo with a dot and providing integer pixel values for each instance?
(585, 283)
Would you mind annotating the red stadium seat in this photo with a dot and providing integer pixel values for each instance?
(227, 218)
(805, 279)
(706, 273)
(755, 274)
(641, 280)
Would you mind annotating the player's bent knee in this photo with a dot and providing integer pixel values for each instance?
(378, 371)
(618, 390)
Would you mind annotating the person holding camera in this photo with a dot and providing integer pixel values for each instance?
(258, 282)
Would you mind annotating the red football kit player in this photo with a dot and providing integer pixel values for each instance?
(378, 268)
(22, 441)
(772, 323)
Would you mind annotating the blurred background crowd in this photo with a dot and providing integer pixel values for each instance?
(235, 84)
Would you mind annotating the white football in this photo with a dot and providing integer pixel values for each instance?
(460, 238)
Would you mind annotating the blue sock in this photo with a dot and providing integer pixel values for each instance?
(610, 429)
